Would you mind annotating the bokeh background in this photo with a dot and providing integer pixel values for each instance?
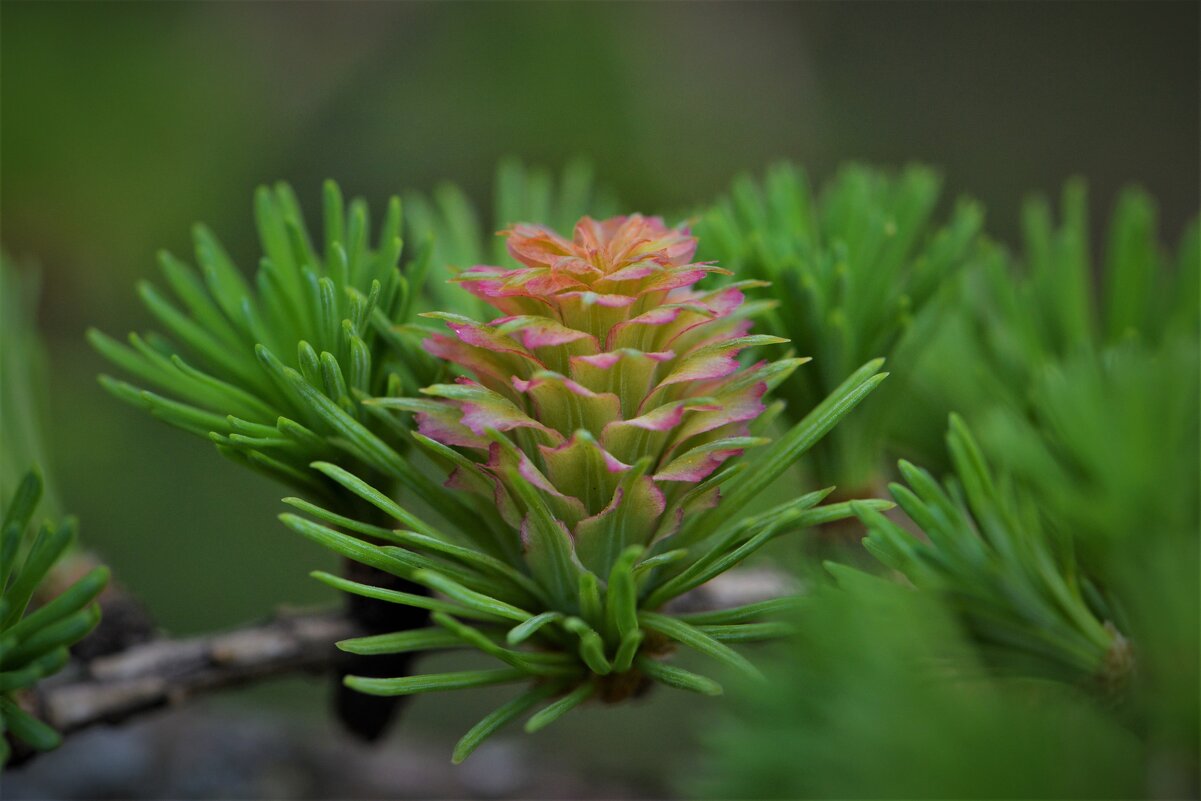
(125, 123)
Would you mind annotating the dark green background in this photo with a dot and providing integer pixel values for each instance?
(124, 123)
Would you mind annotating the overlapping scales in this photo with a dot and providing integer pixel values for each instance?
(617, 383)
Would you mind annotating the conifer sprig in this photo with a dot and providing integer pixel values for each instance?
(248, 363)
(33, 644)
(861, 269)
(1014, 579)
(1023, 317)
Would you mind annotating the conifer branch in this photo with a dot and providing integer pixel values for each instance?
(169, 672)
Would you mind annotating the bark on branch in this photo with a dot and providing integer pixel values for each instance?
(163, 672)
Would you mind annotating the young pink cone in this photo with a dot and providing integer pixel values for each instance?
(608, 383)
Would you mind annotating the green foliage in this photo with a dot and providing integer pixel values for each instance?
(1013, 579)
(859, 271)
(1110, 458)
(1109, 446)
(1051, 587)
(881, 695)
(242, 359)
(1056, 591)
(34, 645)
(565, 631)
(1055, 310)
(1020, 320)
(1087, 399)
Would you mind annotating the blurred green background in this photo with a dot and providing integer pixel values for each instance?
(125, 123)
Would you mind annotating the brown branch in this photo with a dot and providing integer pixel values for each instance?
(168, 672)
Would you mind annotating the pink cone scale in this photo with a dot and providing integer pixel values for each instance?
(607, 381)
